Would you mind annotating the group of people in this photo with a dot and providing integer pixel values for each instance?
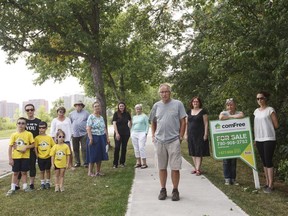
(86, 131)
(170, 125)
(265, 124)
(168, 128)
(30, 142)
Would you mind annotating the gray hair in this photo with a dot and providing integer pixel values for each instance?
(166, 85)
(138, 106)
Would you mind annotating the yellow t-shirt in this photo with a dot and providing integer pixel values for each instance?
(60, 153)
(43, 144)
(21, 139)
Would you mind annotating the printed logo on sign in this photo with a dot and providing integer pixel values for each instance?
(217, 126)
(232, 125)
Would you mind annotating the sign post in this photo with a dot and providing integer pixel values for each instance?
(233, 139)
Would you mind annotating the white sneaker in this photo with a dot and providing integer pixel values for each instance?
(10, 192)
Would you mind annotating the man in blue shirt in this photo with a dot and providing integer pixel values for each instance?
(79, 134)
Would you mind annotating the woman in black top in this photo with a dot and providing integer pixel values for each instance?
(122, 124)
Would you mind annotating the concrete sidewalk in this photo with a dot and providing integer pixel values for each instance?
(198, 196)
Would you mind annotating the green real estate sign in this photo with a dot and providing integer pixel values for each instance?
(233, 139)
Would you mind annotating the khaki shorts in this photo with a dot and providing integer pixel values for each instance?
(169, 153)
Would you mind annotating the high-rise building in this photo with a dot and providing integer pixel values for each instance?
(69, 101)
(8, 109)
(37, 103)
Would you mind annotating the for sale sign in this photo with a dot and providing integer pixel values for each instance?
(233, 139)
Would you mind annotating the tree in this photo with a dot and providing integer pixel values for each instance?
(96, 41)
(118, 43)
(43, 115)
(237, 48)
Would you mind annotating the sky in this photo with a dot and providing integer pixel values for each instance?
(16, 84)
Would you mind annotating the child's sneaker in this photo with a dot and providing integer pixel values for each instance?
(47, 185)
(32, 186)
(17, 187)
(28, 189)
(10, 192)
(62, 189)
(42, 187)
(57, 188)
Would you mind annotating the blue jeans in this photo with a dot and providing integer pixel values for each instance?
(229, 169)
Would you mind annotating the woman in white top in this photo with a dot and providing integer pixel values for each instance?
(265, 123)
(64, 123)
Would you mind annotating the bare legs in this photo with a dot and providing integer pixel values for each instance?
(269, 175)
(175, 176)
(59, 179)
(91, 168)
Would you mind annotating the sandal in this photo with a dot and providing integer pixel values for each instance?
(193, 172)
(198, 172)
(144, 166)
(137, 165)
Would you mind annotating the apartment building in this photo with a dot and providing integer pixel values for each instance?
(8, 109)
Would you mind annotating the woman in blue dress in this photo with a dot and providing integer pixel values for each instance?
(97, 140)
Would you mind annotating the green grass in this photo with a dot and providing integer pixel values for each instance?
(5, 134)
(84, 195)
(253, 202)
(108, 195)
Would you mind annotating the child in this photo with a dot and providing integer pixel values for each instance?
(60, 156)
(43, 145)
(19, 153)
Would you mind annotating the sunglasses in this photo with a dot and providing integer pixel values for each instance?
(21, 123)
(61, 137)
(42, 127)
(260, 98)
(229, 100)
(29, 110)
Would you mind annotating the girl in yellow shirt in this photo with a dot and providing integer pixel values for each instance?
(60, 155)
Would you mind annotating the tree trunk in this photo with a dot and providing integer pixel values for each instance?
(99, 86)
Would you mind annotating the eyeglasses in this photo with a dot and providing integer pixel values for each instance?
(61, 137)
(21, 123)
(29, 110)
(164, 92)
(261, 98)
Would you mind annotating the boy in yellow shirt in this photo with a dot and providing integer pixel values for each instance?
(19, 153)
(43, 145)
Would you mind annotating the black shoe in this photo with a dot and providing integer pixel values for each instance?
(77, 165)
(175, 195)
(32, 186)
(115, 166)
(86, 165)
(42, 187)
(163, 194)
(17, 188)
(47, 185)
